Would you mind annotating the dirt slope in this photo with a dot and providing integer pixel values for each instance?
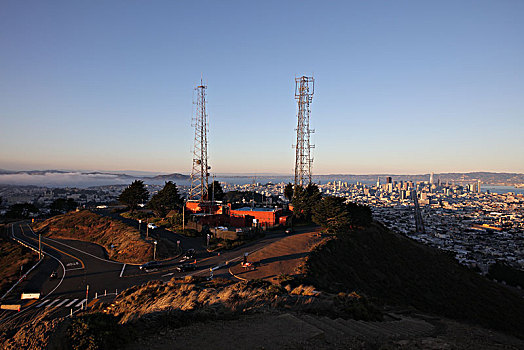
(87, 226)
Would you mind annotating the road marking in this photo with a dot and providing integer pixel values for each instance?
(72, 302)
(122, 272)
(54, 301)
(92, 302)
(168, 274)
(62, 303)
(74, 257)
(79, 250)
(31, 302)
(41, 304)
(81, 303)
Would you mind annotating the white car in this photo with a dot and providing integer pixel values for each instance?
(152, 226)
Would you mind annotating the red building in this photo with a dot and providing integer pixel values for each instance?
(265, 216)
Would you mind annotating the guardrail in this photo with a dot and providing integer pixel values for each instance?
(20, 280)
(25, 274)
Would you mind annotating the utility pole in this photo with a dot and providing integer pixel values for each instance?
(304, 90)
(154, 250)
(184, 217)
(87, 297)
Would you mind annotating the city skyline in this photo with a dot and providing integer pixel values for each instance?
(404, 88)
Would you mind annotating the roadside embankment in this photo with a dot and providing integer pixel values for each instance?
(121, 242)
(15, 260)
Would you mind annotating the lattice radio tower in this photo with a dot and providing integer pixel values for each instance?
(199, 172)
(304, 89)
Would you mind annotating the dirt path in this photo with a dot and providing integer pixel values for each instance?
(281, 257)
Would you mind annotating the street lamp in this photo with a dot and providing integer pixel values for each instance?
(139, 222)
(154, 250)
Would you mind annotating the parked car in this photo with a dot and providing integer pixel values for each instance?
(150, 265)
(186, 267)
(152, 226)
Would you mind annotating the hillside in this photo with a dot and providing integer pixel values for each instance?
(12, 257)
(399, 271)
(84, 225)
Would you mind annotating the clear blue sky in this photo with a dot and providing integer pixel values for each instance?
(401, 86)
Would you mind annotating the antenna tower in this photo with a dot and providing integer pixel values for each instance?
(304, 89)
(419, 224)
(199, 172)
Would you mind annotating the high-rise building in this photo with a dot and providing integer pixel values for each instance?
(389, 180)
(431, 179)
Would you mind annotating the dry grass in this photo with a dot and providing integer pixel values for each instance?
(87, 226)
(12, 257)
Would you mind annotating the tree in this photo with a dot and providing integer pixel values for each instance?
(217, 189)
(360, 214)
(304, 200)
(134, 194)
(62, 205)
(332, 214)
(21, 211)
(337, 216)
(166, 199)
(288, 191)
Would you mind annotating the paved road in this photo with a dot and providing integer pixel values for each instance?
(79, 264)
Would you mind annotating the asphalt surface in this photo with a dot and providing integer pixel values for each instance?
(80, 264)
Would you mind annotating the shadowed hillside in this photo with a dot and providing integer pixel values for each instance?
(399, 271)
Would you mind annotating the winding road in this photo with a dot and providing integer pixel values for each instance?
(81, 264)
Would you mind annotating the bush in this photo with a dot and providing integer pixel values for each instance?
(96, 331)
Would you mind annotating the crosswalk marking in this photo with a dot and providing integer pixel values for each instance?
(31, 302)
(54, 301)
(62, 303)
(72, 302)
(80, 303)
(92, 302)
(42, 303)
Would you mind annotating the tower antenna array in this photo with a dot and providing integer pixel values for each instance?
(199, 172)
(304, 90)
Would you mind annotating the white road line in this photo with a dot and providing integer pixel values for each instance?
(52, 256)
(122, 272)
(78, 268)
(62, 303)
(72, 302)
(54, 301)
(41, 304)
(168, 274)
(79, 250)
(80, 303)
